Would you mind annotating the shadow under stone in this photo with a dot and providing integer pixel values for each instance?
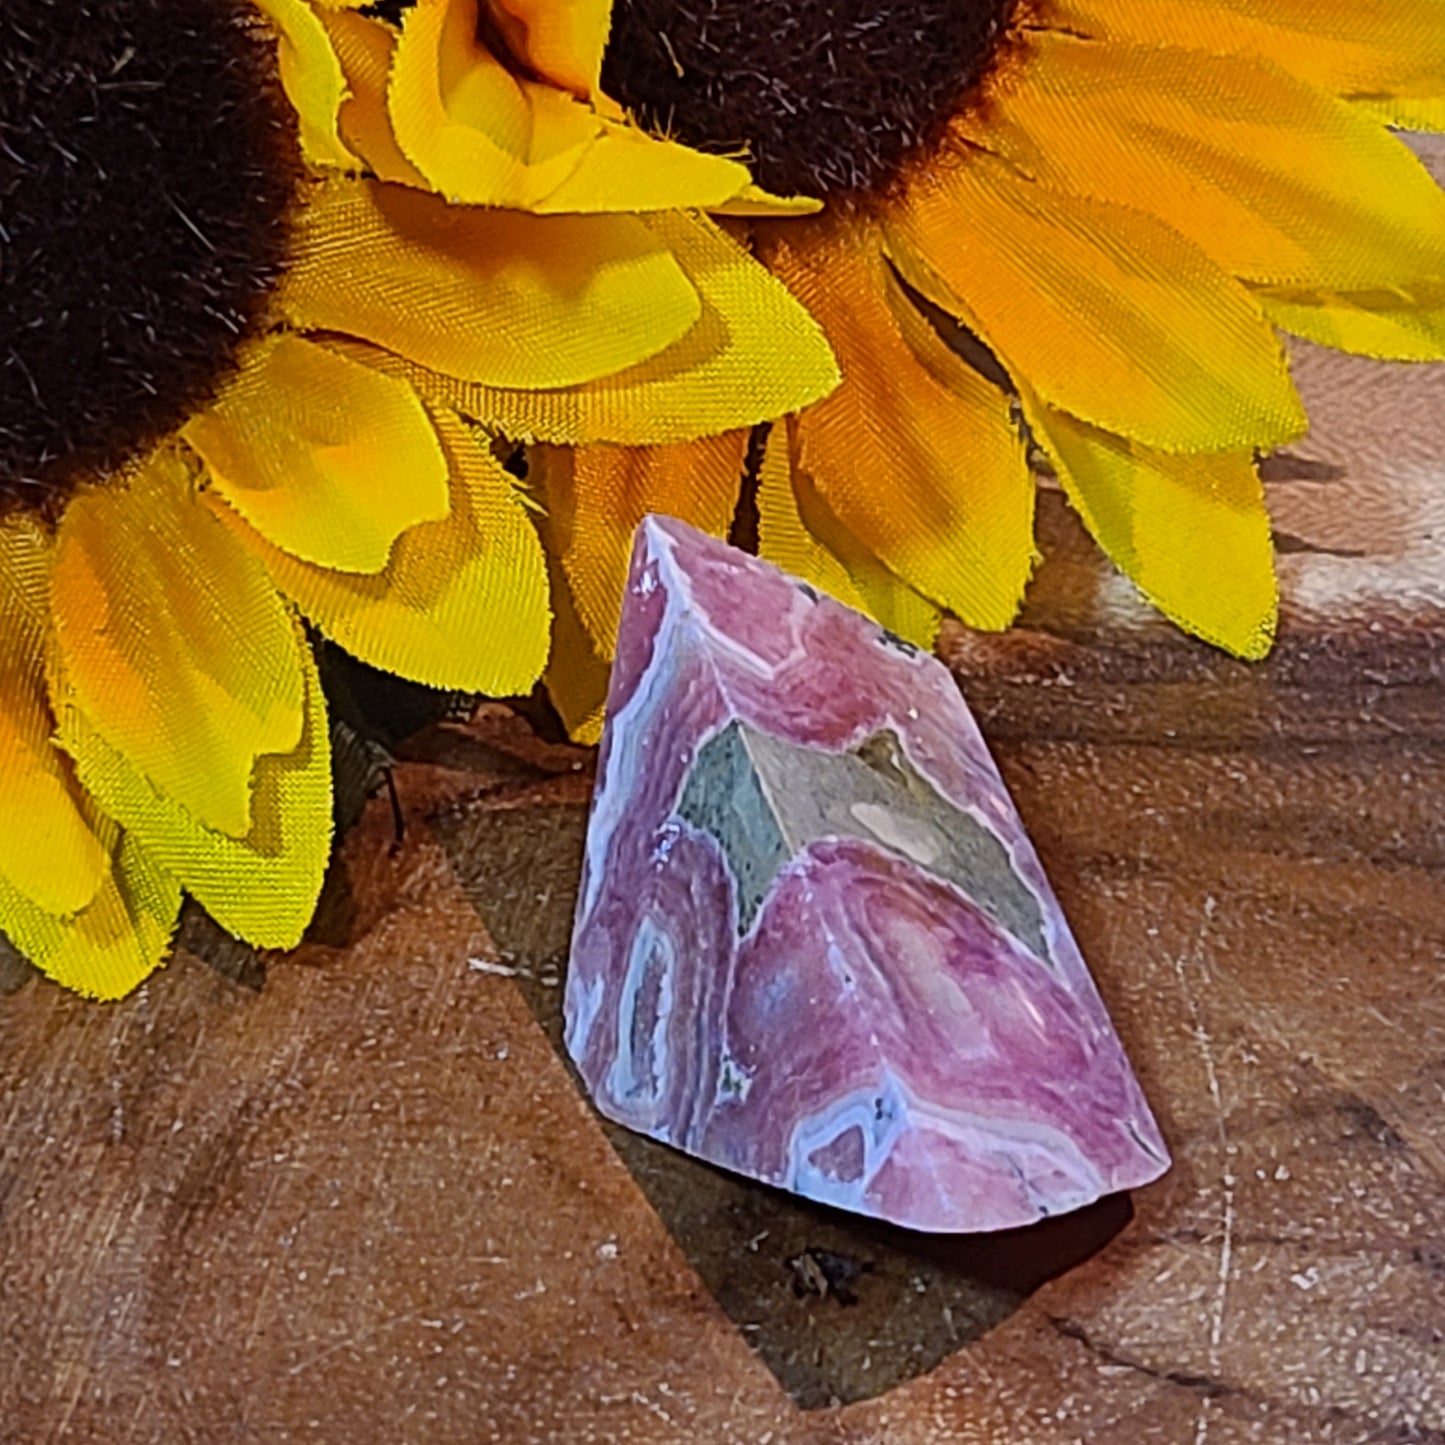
(840, 1308)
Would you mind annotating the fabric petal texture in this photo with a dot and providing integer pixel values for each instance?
(1277, 181)
(173, 644)
(1091, 258)
(547, 302)
(312, 77)
(1111, 316)
(80, 898)
(754, 354)
(365, 48)
(597, 496)
(481, 249)
(262, 885)
(1191, 532)
(1390, 325)
(577, 673)
(59, 859)
(562, 40)
(297, 446)
(461, 602)
(1371, 48)
(112, 944)
(1101, 259)
(914, 453)
(483, 133)
(798, 531)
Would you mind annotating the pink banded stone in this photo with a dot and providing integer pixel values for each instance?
(813, 943)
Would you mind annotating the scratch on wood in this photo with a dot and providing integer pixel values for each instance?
(1228, 1180)
(79, 1374)
(352, 1341)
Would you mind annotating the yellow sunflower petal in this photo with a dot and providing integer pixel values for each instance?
(324, 457)
(596, 496)
(462, 603)
(1107, 313)
(625, 169)
(755, 354)
(365, 48)
(1408, 113)
(1191, 532)
(496, 297)
(562, 40)
(1367, 47)
(1388, 325)
(754, 201)
(576, 677)
(914, 452)
(56, 859)
(112, 944)
(1275, 180)
(173, 643)
(784, 538)
(311, 77)
(797, 532)
(479, 132)
(261, 886)
(482, 134)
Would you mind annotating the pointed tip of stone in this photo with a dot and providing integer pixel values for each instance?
(653, 527)
(814, 944)
(685, 549)
(658, 536)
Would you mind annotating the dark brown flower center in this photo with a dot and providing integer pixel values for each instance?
(832, 98)
(147, 162)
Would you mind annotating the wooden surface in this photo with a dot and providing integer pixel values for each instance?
(354, 1194)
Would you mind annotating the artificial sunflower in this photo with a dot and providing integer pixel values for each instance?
(264, 288)
(1059, 231)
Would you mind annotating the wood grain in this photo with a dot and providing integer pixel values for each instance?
(356, 1196)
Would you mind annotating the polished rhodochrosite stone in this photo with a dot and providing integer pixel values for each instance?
(813, 943)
